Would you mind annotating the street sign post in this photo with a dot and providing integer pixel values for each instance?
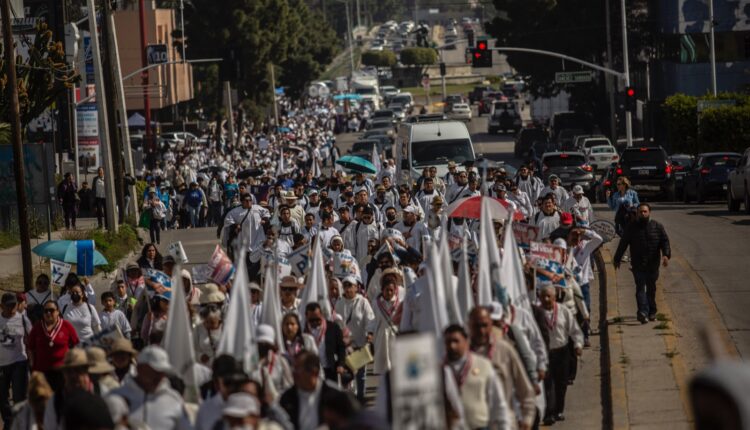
(157, 54)
(572, 77)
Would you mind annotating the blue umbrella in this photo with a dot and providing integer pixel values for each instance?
(65, 250)
(356, 163)
(347, 97)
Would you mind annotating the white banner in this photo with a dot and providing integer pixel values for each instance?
(59, 271)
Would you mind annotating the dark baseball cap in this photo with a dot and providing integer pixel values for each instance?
(9, 299)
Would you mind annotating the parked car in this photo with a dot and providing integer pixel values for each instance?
(570, 167)
(649, 171)
(504, 117)
(460, 112)
(739, 183)
(708, 176)
(566, 138)
(381, 124)
(526, 138)
(177, 139)
(680, 165)
(602, 156)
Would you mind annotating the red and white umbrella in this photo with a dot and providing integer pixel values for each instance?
(471, 207)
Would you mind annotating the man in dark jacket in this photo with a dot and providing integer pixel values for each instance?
(304, 402)
(649, 246)
(330, 340)
(67, 196)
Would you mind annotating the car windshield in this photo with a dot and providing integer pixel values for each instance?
(564, 160)
(428, 153)
(363, 146)
(365, 91)
(382, 114)
(595, 142)
(382, 124)
(460, 106)
(602, 150)
(721, 161)
(401, 99)
(643, 157)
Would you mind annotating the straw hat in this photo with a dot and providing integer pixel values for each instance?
(122, 345)
(98, 360)
(289, 281)
(75, 357)
(212, 294)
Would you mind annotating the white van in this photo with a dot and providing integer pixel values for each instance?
(420, 145)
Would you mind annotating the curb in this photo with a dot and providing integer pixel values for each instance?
(614, 394)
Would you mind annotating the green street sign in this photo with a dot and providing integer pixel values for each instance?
(572, 77)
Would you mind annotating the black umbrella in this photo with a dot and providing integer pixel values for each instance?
(249, 173)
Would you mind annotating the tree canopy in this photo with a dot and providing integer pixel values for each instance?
(42, 77)
(252, 34)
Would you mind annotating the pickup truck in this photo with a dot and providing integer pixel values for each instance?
(739, 181)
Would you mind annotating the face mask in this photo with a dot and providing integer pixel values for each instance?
(391, 217)
(75, 297)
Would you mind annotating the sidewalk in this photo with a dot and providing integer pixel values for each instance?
(648, 375)
(10, 258)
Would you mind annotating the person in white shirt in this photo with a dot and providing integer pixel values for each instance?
(554, 187)
(529, 184)
(14, 362)
(522, 201)
(426, 195)
(580, 206)
(274, 369)
(459, 189)
(412, 229)
(81, 315)
(358, 317)
(562, 327)
(112, 317)
(548, 219)
(367, 229)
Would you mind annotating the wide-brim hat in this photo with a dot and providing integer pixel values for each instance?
(98, 359)
(75, 357)
(122, 345)
(212, 294)
(290, 282)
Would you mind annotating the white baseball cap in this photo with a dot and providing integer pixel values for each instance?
(266, 334)
(156, 358)
(241, 405)
(578, 189)
(496, 311)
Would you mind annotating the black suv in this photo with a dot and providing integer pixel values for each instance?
(649, 171)
(526, 139)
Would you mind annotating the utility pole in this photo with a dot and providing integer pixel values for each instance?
(16, 140)
(626, 67)
(230, 114)
(150, 140)
(712, 42)
(609, 79)
(349, 36)
(273, 89)
(184, 64)
(114, 57)
(101, 105)
(116, 144)
(359, 23)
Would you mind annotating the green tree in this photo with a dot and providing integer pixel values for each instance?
(42, 77)
(418, 57)
(379, 58)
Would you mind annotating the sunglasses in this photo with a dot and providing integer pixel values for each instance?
(289, 290)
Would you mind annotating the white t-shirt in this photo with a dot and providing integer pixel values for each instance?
(12, 332)
(84, 319)
(37, 298)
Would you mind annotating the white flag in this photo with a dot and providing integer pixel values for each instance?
(238, 336)
(178, 336)
(465, 294)
(316, 287)
(270, 312)
(280, 168)
(446, 262)
(436, 291)
(489, 258)
(375, 158)
(511, 270)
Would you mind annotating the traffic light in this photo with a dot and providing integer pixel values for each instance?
(470, 36)
(481, 55)
(630, 99)
(442, 69)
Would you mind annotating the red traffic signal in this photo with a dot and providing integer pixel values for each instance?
(630, 92)
(630, 99)
(482, 45)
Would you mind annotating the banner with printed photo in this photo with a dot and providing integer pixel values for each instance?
(345, 265)
(221, 266)
(299, 260)
(525, 234)
(548, 261)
